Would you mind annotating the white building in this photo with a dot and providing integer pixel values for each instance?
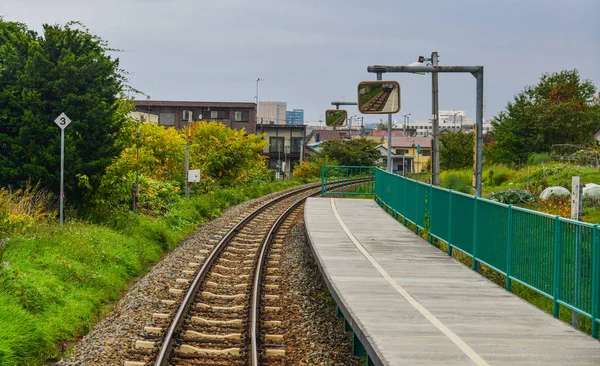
(450, 120)
(271, 113)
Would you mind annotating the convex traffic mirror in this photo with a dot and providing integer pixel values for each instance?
(379, 97)
(336, 117)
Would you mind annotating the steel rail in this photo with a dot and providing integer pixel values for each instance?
(254, 361)
(169, 339)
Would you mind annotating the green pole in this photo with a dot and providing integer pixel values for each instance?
(322, 180)
(474, 265)
(595, 280)
(556, 267)
(450, 223)
(509, 245)
(430, 203)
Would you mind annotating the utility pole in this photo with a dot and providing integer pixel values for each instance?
(435, 166)
(187, 156)
(406, 119)
(136, 186)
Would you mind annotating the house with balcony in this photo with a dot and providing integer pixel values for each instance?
(285, 146)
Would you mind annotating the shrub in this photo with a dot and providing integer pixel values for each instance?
(457, 181)
(512, 196)
(538, 158)
(312, 168)
(498, 175)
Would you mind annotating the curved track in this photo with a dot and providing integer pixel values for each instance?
(228, 315)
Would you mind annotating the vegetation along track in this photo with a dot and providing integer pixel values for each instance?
(226, 316)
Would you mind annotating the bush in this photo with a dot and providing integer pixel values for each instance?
(457, 181)
(312, 168)
(538, 158)
(512, 196)
(498, 175)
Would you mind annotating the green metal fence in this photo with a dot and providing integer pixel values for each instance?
(364, 177)
(556, 257)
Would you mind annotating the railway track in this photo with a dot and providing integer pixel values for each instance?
(224, 308)
(378, 103)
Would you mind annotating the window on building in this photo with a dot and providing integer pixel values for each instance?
(276, 144)
(399, 151)
(296, 144)
(318, 137)
(242, 116)
(217, 115)
(426, 152)
(166, 119)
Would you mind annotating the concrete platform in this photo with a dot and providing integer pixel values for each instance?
(411, 304)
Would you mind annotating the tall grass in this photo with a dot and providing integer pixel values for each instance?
(20, 208)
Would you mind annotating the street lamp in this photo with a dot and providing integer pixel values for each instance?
(406, 119)
(257, 105)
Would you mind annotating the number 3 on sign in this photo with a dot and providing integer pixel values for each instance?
(62, 121)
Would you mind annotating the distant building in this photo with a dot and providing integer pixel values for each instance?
(294, 117)
(409, 154)
(144, 117)
(174, 113)
(450, 121)
(384, 133)
(272, 113)
(285, 148)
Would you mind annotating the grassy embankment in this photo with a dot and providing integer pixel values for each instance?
(55, 284)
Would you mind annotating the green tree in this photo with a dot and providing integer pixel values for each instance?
(382, 125)
(355, 152)
(560, 109)
(69, 70)
(456, 150)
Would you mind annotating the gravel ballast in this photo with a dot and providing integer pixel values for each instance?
(314, 335)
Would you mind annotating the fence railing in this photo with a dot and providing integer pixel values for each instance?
(554, 256)
(365, 176)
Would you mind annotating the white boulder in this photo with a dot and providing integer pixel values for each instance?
(591, 190)
(556, 191)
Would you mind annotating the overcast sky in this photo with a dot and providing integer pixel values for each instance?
(310, 52)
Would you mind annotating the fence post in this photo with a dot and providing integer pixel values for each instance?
(474, 265)
(404, 203)
(450, 222)
(509, 245)
(430, 208)
(322, 180)
(416, 209)
(595, 279)
(556, 267)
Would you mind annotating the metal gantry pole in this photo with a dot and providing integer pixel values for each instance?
(435, 163)
(476, 71)
(389, 136)
(479, 121)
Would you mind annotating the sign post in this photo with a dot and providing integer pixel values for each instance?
(62, 121)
